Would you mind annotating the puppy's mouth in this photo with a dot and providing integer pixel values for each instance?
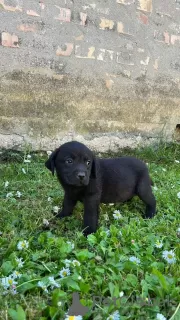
(76, 182)
(83, 183)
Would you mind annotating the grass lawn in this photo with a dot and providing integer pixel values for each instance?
(130, 265)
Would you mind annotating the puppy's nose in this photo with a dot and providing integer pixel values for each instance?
(81, 175)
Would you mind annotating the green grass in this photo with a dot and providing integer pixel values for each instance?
(149, 288)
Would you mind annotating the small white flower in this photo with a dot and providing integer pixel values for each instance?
(20, 262)
(178, 195)
(134, 259)
(67, 262)
(71, 244)
(164, 169)
(23, 171)
(55, 209)
(160, 316)
(48, 153)
(18, 194)
(169, 256)
(114, 316)
(59, 304)
(177, 161)
(16, 275)
(22, 245)
(116, 211)
(111, 204)
(158, 244)
(117, 215)
(121, 294)
(6, 184)
(8, 282)
(49, 199)
(98, 258)
(42, 286)
(64, 272)
(27, 161)
(45, 222)
(155, 188)
(73, 317)
(9, 195)
(76, 263)
(53, 283)
(79, 278)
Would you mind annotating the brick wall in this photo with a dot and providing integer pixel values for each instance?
(104, 72)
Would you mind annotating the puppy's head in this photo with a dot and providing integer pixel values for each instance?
(75, 164)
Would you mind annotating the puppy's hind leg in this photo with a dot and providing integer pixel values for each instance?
(144, 191)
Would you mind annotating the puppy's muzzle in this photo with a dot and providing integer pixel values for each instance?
(81, 176)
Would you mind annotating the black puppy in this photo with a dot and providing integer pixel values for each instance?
(93, 181)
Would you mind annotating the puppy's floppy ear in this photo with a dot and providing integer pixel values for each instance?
(94, 169)
(50, 162)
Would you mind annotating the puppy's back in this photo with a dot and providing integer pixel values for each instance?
(123, 163)
(120, 178)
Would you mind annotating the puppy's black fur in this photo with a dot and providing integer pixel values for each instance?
(93, 181)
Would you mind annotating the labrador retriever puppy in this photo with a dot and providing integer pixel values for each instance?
(93, 181)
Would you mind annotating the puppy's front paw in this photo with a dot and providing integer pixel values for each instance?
(62, 214)
(150, 214)
(88, 231)
(85, 233)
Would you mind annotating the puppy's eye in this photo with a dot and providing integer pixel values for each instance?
(69, 161)
(88, 162)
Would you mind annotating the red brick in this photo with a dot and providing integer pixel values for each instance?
(67, 52)
(64, 15)
(145, 5)
(32, 13)
(42, 5)
(175, 38)
(27, 27)
(106, 24)
(109, 83)
(162, 37)
(10, 8)
(83, 17)
(9, 40)
(143, 18)
(125, 2)
(156, 64)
